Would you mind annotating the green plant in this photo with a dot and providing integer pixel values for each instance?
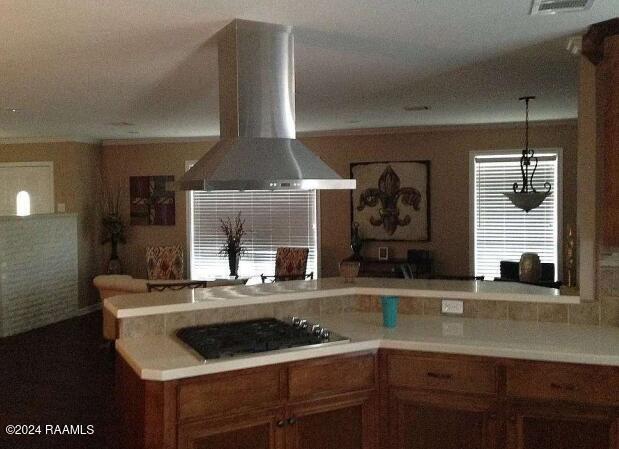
(234, 231)
(113, 226)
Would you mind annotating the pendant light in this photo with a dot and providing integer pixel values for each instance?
(527, 198)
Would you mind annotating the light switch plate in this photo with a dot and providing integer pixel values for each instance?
(452, 307)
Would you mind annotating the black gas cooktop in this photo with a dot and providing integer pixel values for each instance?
(214, 341)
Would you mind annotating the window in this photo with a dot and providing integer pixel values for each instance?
(272, 219)
(503, 232)
(22, 204)
(35, 179)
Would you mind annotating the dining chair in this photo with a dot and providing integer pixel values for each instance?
(165, 262)
(290, 265)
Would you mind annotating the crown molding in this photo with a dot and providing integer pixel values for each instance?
(26, 140)
(433, 128)
(349, 132)
(159, 140)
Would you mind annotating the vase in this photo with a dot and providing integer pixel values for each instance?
(349, 270)
(530, 268)
(114, 266)
(233, 264)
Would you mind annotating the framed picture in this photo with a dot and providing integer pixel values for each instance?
(152, 200)
(392, 200)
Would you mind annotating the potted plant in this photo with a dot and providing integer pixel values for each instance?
(113, 227)
(233, 246)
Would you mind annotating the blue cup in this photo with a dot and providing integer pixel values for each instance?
(390, 310)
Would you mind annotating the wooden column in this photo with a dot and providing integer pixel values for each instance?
(601, 46)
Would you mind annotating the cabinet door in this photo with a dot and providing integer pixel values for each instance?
(561, 427)
(249, 432)
(429, 420)
(343, 423)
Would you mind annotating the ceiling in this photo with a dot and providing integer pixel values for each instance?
(121, 69)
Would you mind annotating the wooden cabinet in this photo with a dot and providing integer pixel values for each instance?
(561, 406)
(346, 422)
(325, 403)
(536, 426)
(429, 420)
(259, 431)
(398, 400)
(460, 402)
(601, 46)
(440, 402)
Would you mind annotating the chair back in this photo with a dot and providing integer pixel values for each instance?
(510, 271)
(290, 263)
(165, 262)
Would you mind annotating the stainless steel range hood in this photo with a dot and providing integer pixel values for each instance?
(258, 148)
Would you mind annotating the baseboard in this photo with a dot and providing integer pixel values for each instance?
(85, 310)
(72, 314)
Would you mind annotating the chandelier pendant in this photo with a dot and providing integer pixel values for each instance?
(526, 197)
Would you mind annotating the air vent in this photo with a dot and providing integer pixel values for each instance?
(557, 6)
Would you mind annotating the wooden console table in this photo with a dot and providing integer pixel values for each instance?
(391, 268)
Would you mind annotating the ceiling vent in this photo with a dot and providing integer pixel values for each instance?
(558, 6)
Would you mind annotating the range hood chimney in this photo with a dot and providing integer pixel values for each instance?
(258, 149)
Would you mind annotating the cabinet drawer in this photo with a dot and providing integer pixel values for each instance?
(332, 375)
(565, 382)
(448, 374)
(222, 394)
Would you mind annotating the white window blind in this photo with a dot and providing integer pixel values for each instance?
(272, 219)
(504, 232)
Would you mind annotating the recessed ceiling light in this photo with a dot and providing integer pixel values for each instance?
(416, 108)
(11, 109)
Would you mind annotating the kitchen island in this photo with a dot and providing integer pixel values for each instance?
(433, 381)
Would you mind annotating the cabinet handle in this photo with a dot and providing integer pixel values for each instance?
(567, 387)
(281, 423)
(439, 375)
(292, 420)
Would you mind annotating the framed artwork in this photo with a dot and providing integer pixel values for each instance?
(152, 200)
(392, 200)
(383, 253)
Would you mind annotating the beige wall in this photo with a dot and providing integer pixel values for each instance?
(122, 161)
(76, 184)
(448, 151)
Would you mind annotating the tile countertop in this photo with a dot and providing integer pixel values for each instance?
(133, 305)
(166, 358)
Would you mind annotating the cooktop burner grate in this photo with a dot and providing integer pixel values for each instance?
(214, 341)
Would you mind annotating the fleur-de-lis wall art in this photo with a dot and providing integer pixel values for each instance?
(389, 194)
(390, 202)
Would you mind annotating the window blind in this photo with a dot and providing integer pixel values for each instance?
(272, 219)
(504, 232)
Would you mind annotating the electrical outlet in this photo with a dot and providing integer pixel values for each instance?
(452, 307)
(453, 329)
